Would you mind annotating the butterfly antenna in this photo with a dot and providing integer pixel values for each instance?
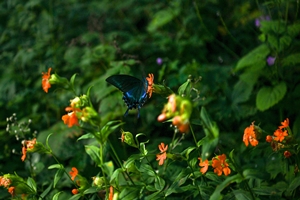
(126, 113)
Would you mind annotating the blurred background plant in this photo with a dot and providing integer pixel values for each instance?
(243, 57)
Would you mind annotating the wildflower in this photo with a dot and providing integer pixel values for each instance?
(5, 182)
(285, 123)
(260, 19)
(73, 173)
(71, 119)
(287, 154)
(163, 155)
(269, 138)
(179, 109)
(111, 193)
(11, 190)
(127, 137)
(250, 135)
(271, 60)
(220, 165)
(27, 145)
(280, 135)
(150, 80)
(204, 165)
(45, 80)
(75, 191)
(159, 61)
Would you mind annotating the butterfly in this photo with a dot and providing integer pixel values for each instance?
(134, 90)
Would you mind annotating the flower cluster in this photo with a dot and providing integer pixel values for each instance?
(49, 79)
(180, 110)
(81, 182)
(28, 145)
(278, 139)
(162, 156)
(6, 182)
(15, 185)
(251, 134)
(79, 109)
(218, 163)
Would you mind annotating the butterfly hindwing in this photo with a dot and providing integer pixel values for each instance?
(134, 90)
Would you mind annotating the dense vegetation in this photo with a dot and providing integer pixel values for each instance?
(227, 63)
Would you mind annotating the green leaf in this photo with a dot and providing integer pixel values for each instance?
(130, 193)
(115, 176)
(91, 190)
(243, 88)
(180, 180)
(86, 136)
(55, 197)
(269, 96)
(93, 152)
(242, 195)
(72, 81)
(256, 174)
(294, 29)
(59, 173)
(217, 193)
(56, 166)
(255, 60)
(208, 146)
(213, 130)
(75, 197)
(31, 183)
(163, 17)
(293, 185)
(159, 183)
(291, 60)
(108, 128)
(108, 168)
(185, 88)
(46, 191)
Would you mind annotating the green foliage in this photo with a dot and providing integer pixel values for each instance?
(214, 61)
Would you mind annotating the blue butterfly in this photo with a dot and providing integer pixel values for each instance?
(134, 90)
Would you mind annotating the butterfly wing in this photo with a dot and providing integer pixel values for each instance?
(134, 90)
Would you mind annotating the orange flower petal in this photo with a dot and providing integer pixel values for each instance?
(161, 158)
(111, 193)
(73, 173)
(284, 124)
(204, 165)
(150, 80)
(24, 150)
(11, 190)
(162, 147)
(75, 191)
(45, 80)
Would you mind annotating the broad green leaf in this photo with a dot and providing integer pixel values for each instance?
(31, 183)
(180, 180)
(243, 88)
(108, 168)
(294, 29)
(155, 196)
(208, 146)
(130, 193)
(285, 41)
(291, 60)
(242, 195)
(93, 152)
(108, 128)
(256, 174)
(185, 88)
(163, 17)
(55, 197)
(75, 197)
(293, 185)
(269, 96)
(59, 173)
(159, 183)
(115, 176)
(255, 60)
(131, 160)
(232, 179)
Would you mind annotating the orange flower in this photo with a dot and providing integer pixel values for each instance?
(75, 191)
(250, 136)
(280, 135)
(204, 166)
(269, 138)
(162, 147)
(11, 190)
(285, 123)
(27, 144)
(287, 154)
(150, 80)
(73, 173)
(163, 155)
(183, 126)
(111, 193)
(5, 182)
(71, 119)
(220, 165)
(45, 80)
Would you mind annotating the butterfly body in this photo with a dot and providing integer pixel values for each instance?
(134, 90)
